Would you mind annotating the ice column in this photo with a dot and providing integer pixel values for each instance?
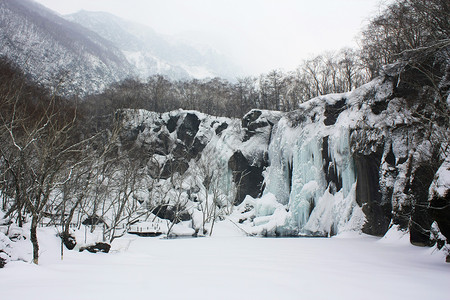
(277, 178)
(308, 181)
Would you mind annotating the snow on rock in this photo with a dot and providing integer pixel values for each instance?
(352, 161)
(395, 235)
(14, 243)
(267, 205)
(441, 184)
(357, 161)
(439, 197)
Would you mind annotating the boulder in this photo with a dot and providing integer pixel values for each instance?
(69, 241)
(97, 247)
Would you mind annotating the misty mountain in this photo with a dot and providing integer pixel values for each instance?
(87, 51)
(152, 53)
(54, 51)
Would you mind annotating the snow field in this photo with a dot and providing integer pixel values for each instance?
(231, 266)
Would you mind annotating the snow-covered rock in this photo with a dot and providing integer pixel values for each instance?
(362, 160)
(439, 197)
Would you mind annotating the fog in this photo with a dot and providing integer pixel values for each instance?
(258, 35)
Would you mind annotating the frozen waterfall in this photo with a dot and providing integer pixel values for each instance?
(312, 174)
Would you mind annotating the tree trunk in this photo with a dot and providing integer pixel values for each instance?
(19, 216)
(214, 219)
(34, 241)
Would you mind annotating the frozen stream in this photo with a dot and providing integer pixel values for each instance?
(229, 266)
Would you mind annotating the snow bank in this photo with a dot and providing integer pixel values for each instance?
(226, 267)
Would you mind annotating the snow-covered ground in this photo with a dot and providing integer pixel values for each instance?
(231, 266)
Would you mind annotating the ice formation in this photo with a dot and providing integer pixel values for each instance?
(352, 161)
(303, 158)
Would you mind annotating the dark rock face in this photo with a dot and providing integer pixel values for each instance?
(378, 107)
(334, 181)
(172, 123)
(247, 178)
(333, 111)
(188, 129)
(368, 195)
(162, 144)
(440, 212)
(221, 128)
(410, 83)
(183, 152)
(197, 147)
(98, 247)
(421, 220)
(390, 157)
(255, 125)
(132, 134)
(173, 166)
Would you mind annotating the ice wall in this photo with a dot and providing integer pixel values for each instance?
(312, 173)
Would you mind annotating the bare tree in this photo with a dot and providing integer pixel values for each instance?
(43, 144)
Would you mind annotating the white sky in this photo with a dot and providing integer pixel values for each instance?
(259, 35)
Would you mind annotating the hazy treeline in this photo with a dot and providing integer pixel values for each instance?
(277, 90)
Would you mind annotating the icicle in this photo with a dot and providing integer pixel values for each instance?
(308, 181)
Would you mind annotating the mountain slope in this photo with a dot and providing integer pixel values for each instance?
(151, 53)
(51, 49)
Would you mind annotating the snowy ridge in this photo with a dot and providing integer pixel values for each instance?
(58, 53)
(85, 52)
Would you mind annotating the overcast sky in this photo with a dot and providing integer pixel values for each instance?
(259, 35)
